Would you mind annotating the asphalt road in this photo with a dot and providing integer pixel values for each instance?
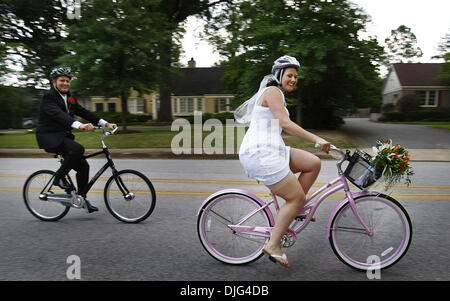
(410, 136)
(166, 246)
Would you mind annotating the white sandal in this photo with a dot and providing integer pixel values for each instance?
(281, 259)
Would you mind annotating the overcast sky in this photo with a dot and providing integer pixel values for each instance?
(429, 20)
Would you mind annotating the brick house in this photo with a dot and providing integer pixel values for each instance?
(193, 89)
(416, 78)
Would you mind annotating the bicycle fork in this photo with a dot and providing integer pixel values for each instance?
(128, 196)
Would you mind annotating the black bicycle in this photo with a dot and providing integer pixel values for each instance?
(129, 195)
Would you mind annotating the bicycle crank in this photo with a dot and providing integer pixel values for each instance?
(289, 238)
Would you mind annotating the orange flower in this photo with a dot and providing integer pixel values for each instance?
(396, 148)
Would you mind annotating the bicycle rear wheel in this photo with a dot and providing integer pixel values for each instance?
(43, 209)
(223, 243)
(130, 196)
(391, 233)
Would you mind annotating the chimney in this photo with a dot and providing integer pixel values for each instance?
(191, 63)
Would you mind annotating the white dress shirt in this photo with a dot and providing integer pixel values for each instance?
(76, 124)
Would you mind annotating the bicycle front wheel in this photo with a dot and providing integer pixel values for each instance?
(219, 240)
(388, 242)
(41, 208)
(130, 196)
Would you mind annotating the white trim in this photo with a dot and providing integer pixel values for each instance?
(426, 88)
(427, 98)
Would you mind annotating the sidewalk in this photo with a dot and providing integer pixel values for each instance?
(427, 155)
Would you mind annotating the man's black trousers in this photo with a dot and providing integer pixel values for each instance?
(73, 159)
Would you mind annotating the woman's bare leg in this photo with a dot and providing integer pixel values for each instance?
(306, 163)
(292, 192)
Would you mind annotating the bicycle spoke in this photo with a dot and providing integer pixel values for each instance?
(351, 229)
(389, 238)
(221, 240)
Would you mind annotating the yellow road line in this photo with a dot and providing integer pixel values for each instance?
(264, 194)
(248, 183)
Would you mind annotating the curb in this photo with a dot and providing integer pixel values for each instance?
(417, 155)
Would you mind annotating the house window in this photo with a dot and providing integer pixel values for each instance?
(99, 107)
(428, 98)
(111, 107)
(199, 105)
(183, 105)
(136, 105)
(190, 105)
(223, 104)
(187, 105)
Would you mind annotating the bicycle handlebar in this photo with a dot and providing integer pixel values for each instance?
(338, 150)
(107, 133)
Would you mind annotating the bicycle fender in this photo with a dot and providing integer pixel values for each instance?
(342, 203)
(237, 191)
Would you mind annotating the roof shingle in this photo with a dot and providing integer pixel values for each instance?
(418, 74)
(198, 81)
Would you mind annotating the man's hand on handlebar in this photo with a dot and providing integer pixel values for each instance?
(111, 126)
(88, 127)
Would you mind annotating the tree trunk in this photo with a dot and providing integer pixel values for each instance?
(123, 101)
(299, 110)
(165, 108)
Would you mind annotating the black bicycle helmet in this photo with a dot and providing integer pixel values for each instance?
(61, 71)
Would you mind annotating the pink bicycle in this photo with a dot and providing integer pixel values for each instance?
(234, 224)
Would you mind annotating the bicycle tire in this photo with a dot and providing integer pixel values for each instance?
(40, 208)
(221, 243)
(127, 210)
(391, 227)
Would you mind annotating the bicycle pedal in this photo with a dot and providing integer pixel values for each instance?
(301, 217)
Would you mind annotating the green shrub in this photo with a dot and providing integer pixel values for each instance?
(408, 103)
(116, 117)
(424, 114)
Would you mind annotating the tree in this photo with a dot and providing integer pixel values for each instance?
(115, 48)
(29, 29)
(445, 69)
(443, 47)
(402, 46)
(444, 53)
(174, 13)
(338, 69)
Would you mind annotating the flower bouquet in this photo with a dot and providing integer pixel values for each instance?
(391, 161)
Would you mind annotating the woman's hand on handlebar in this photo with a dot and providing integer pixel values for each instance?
(324, 145)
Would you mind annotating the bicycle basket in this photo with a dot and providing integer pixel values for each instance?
(359, 171)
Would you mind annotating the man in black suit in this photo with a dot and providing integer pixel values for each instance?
(53, 132)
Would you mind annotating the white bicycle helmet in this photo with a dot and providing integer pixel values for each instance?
(282, 63)
(243, 114)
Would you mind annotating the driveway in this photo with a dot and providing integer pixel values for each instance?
(367, 132)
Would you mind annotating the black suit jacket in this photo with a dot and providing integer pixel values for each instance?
(55, 122)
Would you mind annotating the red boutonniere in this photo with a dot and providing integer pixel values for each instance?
(71, 99)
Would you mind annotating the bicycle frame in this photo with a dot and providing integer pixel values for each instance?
(311, 204)
(108, 164)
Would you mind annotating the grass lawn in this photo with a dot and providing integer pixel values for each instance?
(432, 124)
(441, 126)
(161, 137)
